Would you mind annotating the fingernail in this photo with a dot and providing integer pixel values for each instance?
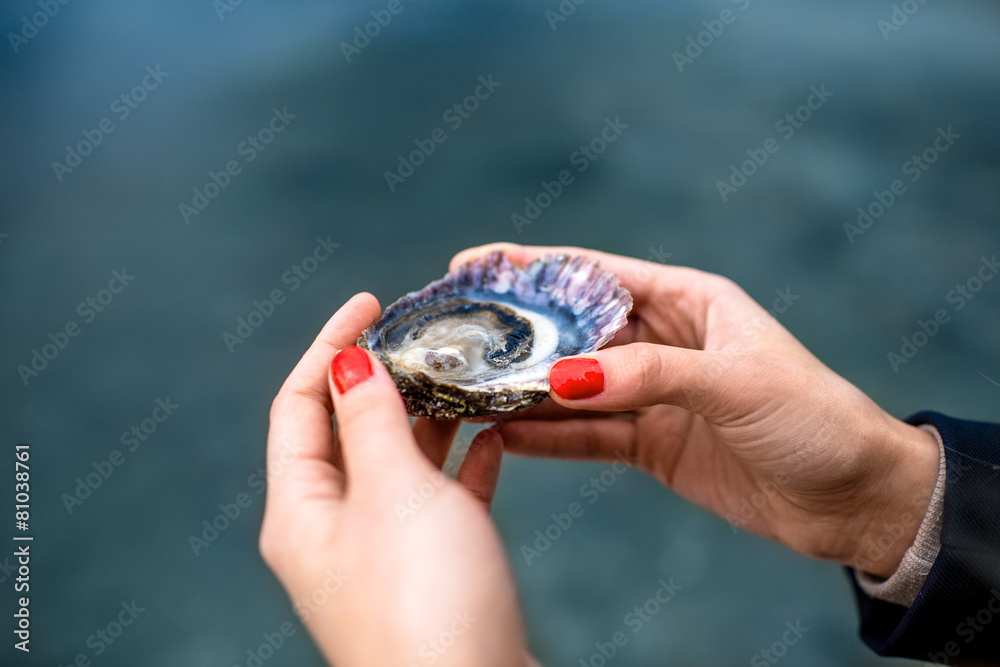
(350, 367)
(575, 379)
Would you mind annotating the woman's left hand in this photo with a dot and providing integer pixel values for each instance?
(387, 561)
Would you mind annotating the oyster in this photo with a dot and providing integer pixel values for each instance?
(481, 340)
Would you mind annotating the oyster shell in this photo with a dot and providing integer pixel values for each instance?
(481, 340)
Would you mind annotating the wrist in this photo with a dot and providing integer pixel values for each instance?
(902, 483)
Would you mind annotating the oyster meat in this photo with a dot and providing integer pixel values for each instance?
(481, 340)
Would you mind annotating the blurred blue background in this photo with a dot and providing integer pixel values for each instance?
(654, 192)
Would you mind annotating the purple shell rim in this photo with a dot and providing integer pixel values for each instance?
(574, 285)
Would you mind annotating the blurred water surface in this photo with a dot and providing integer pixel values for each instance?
(653, 193)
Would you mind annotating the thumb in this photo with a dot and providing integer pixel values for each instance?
(375, 436)
(637, 375)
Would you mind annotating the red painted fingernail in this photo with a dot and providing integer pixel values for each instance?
(350, 367)
(574, 379)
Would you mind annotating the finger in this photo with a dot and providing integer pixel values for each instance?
(549, 410)
(375, 437)
(435, 437)
(310, 375)
(481, 468)
(301, 430)
(572, 439)
(644, 374)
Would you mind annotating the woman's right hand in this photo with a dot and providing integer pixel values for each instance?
(728, 409)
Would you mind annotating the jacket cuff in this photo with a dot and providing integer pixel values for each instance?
(902, 587)
(955, 617)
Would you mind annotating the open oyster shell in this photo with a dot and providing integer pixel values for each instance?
(481, 340)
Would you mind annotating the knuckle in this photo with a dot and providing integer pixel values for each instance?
(481, 496)
(366, 411)
(369, 404)
(716, 287)
(722, 283)
(648, 369)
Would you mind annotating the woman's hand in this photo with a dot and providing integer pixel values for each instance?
(730, 411)
(387, 561)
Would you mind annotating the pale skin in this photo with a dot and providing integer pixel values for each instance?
(333, 505)
(704, 390)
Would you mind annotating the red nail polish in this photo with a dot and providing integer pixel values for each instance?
(350, 367)
(574, 379)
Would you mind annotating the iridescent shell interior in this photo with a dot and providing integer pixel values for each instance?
(481, 340)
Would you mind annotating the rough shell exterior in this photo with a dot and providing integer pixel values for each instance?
(573, 287)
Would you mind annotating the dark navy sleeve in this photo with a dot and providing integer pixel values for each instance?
(955, 618)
